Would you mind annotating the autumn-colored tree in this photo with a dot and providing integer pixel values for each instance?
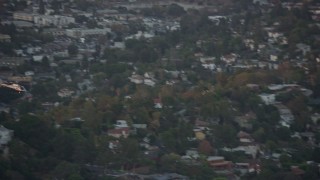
(288, 73)
(205, 147)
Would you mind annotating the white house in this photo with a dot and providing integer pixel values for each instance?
(208, 62)
(29, 73)
(23, 16)
(121, 124)
(286, 117)
(137, 79)
(38, 58)
(5, 136)
(65, 92)
(149, 82)
(230, 58)
(140, 35)
(57, 20)
(81, 32)
(273, 57)
(268, 98)
(315, 118)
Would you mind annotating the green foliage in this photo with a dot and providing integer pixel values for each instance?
(175, 139)
(6, 48)
(129, 151)
(283, 133)
(35, 132)
(73, 49)
(38, 148)
(223, 138)
(169, 162)
(66, 170)
(175, 10)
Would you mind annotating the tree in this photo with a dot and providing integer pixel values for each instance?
(91, 23)
(260, 135)
(6, 48)
(73, 49)
(81, 19)
(129, 149)
(35, 132)
(66, 170)
(42, 9)
(205, 147)
(175, 10)
(169, 162)
(225, 134)
(56, 5)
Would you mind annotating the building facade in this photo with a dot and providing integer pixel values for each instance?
(56, 20)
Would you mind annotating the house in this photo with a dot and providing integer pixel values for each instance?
(82, 32)
(199, 134)
(250, 150)
(121, 124)
(85, 85)
(208, 63)
(5, 38)
(308, 136)
(19, 52)
(118, 45)
(149, 82)
(120, 132)
(56, 20)
(297, 171)
(12, 61)
(173, 74)
(113, 144)
(250, 43)
(32, 50)
(139, 126)
(218, 163)
(303, 48)
(203, 125)
(38, 58)
(140, 35)
(4, 108)
(5, 136)
(191, 157)
(261, 2)
(286, 117)
(192, 153)
(268, 98)
(68, 78)
(244, 168)
(230, 58)
(48, 105)
(274, 35)
(273, 65)
(245, 138)
(273, 57)
(217, 19)
(65, 92)
(5, 72)
(54, 31)
(23, 16)
(137, 79)
(76, 119)
(245, 121)
(157, 103)
(29, 73)
(70, 61)
(19, 24)
(315, 118)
